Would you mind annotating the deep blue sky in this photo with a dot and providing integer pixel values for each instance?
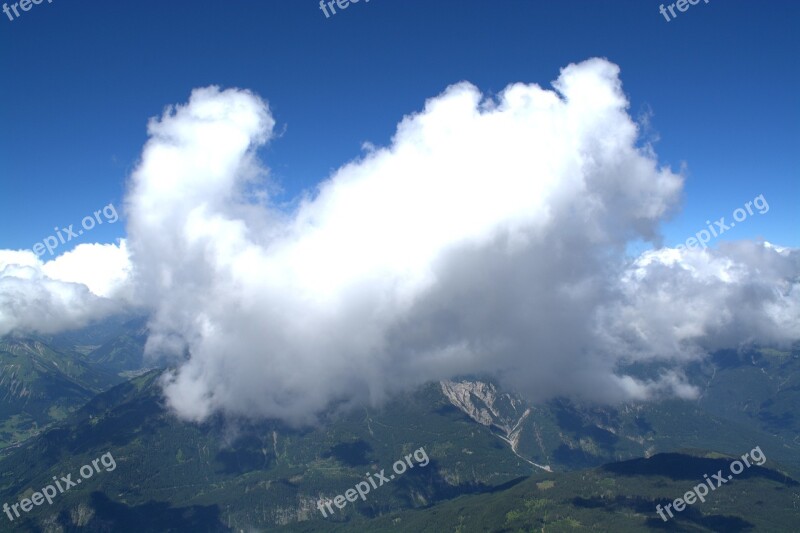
(81, 79)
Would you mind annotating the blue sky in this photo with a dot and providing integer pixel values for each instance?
(80, 81)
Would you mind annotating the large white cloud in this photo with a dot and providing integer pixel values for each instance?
(488, 237)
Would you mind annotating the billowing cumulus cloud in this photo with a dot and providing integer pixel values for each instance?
(487, 238)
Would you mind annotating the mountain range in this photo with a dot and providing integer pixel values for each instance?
(497, 461)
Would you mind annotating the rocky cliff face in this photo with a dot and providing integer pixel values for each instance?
(484, 404)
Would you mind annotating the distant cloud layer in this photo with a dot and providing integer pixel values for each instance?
(488, 237)
(79, 286)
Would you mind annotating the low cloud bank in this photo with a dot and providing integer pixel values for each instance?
(85, 284)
